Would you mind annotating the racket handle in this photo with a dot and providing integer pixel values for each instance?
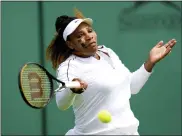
(73, 84)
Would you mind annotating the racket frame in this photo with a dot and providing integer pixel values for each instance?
(50, 77)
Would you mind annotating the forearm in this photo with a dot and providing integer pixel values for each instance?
(149, 65)
(65, 99)
(140, 77)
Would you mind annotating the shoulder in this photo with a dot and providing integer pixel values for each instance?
(68, 64)
(106, 49)
(102, 47)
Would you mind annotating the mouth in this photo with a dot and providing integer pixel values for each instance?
(91, 44)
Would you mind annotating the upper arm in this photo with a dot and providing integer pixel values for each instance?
(67, 71)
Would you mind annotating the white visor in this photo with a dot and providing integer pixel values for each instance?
(71, 27)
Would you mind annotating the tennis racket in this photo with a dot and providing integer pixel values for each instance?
(36, 85)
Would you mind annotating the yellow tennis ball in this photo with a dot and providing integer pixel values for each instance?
(104, 116)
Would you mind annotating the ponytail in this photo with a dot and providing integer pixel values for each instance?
(57, 51)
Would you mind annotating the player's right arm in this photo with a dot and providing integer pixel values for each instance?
(68, 72)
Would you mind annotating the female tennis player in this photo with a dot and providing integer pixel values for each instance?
(106, 82)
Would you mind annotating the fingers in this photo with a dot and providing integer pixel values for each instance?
(83, 86)
(170, 43)
(82, 83)
(167, 51)
(159, 44)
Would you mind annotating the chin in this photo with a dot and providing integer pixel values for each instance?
(94, 50)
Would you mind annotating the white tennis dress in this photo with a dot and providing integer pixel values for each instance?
(110, 85)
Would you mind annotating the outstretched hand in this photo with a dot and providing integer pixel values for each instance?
(159, 51)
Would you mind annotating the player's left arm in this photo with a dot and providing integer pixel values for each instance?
(139, 77)
(157, 53)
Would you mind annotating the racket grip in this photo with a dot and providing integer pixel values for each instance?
(73, 84)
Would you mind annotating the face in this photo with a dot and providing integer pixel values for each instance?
(83, 40)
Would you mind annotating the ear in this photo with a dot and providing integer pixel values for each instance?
(70, 45)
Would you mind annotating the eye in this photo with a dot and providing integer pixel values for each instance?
(79, 35)
(90, 30)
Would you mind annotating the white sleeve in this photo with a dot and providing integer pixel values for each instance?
(65, 98)
(138, 78)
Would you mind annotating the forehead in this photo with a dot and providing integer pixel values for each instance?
(81, 27)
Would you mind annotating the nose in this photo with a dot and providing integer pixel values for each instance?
(89, 36)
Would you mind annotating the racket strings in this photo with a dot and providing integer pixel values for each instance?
(36, 85)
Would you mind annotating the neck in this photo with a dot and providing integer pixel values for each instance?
(96, 56)
(86, 56)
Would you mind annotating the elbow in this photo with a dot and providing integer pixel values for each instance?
(135, 87)
(135, 90)
(62, 103)
(64, 100)
(61, 106)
